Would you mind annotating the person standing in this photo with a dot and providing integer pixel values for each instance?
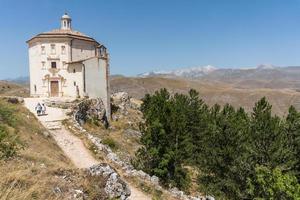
(38, 109)
(43, 109)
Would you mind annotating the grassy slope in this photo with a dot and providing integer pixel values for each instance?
(13, 89)
(40, 170)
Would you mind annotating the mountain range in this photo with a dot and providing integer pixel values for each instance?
(262, 76)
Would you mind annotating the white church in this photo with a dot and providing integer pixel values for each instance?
(66, 63)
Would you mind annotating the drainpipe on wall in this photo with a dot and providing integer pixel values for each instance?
(108, 87)
(71, 44)
(83, 73)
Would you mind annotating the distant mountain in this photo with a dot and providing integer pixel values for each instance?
(20, 80)
(240, 93)
(262, 76)
(192, 72)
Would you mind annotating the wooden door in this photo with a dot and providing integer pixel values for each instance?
(54, 88)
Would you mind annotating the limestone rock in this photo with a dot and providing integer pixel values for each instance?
(132, 133)
(135, 103)
(46, 134)
(154, 180)
(14, 99)
(210, 198)
(90, 109)
(101, 169)
(121, 102)
(120, 98)
(115, 187)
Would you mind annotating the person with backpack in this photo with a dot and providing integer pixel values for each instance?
(38, 109)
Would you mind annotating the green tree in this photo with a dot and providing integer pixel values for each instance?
(164, 132)
(224, 151)
(273, 184)
(293, 130)
(269, 143)
(197, 115)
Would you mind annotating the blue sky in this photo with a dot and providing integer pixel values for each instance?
(145, 35)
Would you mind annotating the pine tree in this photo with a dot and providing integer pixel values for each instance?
(224, 151)
(293, 130)
(197, 123)
(163, 153)
(268, 139)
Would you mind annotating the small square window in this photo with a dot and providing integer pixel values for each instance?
(43, 50)
(43, 64)
(74, 83)
(53, 50)
(53, 65)
(74, 70)
(63, 50)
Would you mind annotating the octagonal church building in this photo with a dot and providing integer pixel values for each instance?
(66, 63)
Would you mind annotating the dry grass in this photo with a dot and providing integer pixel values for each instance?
(123, 144)
(13, 89)
(211, 91)
(40, 170)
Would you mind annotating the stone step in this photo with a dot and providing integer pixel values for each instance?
(53, 125)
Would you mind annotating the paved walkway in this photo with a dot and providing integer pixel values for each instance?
(72, 146)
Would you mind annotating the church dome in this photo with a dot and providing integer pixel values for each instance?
(65, 31)
(65, 16)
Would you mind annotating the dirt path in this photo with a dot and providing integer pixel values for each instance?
(72, 146)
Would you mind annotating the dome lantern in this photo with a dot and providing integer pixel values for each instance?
(66, 22)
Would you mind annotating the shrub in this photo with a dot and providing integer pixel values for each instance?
(110, 142)
(9, 142)
(273, 184)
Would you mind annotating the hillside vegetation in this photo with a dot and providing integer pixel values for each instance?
(32, 166)
(13, 89)
(237, 155)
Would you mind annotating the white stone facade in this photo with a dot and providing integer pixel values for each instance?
(67, 63)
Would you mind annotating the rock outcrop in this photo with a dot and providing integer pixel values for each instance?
(14, 99)
(121, 105)
(115, 187)
(90, 109)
